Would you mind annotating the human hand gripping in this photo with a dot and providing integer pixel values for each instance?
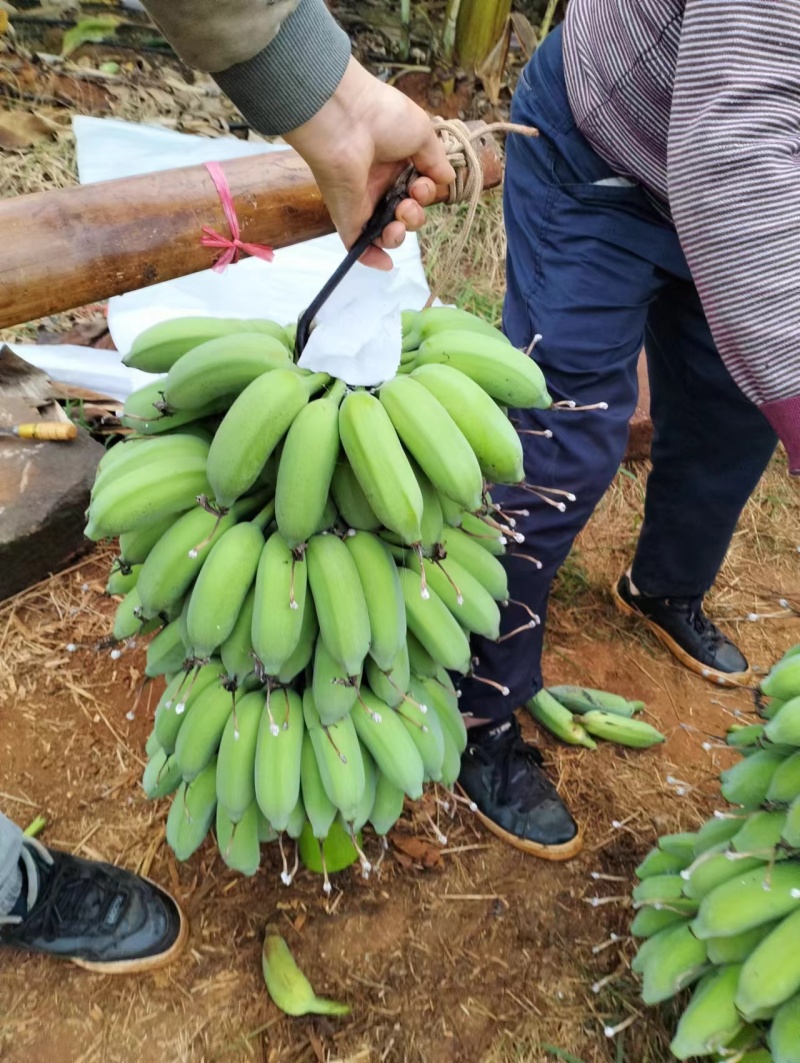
(358, 144)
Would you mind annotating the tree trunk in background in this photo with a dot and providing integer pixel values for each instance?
(479, 27)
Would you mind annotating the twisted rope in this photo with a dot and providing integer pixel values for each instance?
(459, 145)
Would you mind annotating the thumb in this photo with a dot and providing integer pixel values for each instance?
(430, 158)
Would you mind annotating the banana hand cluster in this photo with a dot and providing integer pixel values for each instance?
(721, 907)
(578, 715)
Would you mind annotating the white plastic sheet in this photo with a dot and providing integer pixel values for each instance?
(359, 331)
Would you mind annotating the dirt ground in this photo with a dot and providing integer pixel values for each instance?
(464, 953)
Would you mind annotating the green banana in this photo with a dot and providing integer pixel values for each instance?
(552, 715)
(758, 896)
(585, 699)
(166, 652)
(783, 681)
(681, 844)
(121, 580)
(280, 598)
(716, 830)
(432, 523)
(157, 348)
(321, 811)
(301, 655)
(784, 786)
(155, 452)
(649, 921)
(737, 948)
(387, 806)
(483, 565)
(748, 781)
(715, 867)
(287, 986)
(251, 429)
(466, 598)
(383, 595)
(791, 829)
(381, 730)
(710, 1019)
(380, 465)
(679, 961)
(657, 862)
(334, 691)
(486, 428)
(277, 763)
(434, 625)
(621, 729)
(239, 843)
(451, 764)
(427, 734)
(237, 650)
(760, 834)
(162, 775)
(771, 973)
(339, 600)
(431, 435)
(237, 756)
(146, 412)
(191, 812)
(308, 459)
(508, 375)
(390, 686)
(201, 732)
(784, 1033)
(422, 664)
(172, 711)
(784, 727)
(487, 536)
(362, 812)
(419, 325)
(441, 699)
(134, 546)
(339, 759)
(222, 367)
(350, 499)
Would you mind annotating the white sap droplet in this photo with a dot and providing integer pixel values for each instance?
(561, 507)
(458, 693)
(293, 605)
(377, 717)
(115, 655)
(425, 729)
(502, 540)
(193, 554)
(327, 888)
(594, 874)
(460, 599)
(609, 1031)
(180, 708)
(130, 715)
(596, 987)
(71, 647)
(236, 734)
(423, 708)
(168, 704)
(685, 875)
(795, 894)
(603, 405)
(571, 498)
(505, 692)
(286, 878)
(350, 533)
(425, 593)
(274, 730)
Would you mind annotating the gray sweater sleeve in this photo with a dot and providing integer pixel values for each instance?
(279, 61)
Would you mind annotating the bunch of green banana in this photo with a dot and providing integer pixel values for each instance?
(578, 715)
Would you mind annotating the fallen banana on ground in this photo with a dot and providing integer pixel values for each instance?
(288, 987)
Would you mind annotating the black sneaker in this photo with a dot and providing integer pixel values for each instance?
(688, 634)
(99, 916)
(503, 776)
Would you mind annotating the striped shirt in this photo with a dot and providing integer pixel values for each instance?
(699, 101)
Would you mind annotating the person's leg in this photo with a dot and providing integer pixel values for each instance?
(10, 873)
(710, 448)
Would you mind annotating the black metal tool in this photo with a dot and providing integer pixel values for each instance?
(382, 215)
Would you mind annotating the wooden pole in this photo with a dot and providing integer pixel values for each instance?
(80, 245)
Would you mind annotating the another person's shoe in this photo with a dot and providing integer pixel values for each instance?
(503, 776)
(97, 915)
(688, 634)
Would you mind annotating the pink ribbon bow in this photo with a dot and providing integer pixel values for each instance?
(232, 245)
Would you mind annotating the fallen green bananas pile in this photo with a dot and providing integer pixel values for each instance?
(721, 907)
(578, 715)
(310, 608)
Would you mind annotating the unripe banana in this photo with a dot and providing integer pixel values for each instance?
(420, 325)
(387, 806)
(677, 963)
(422, 664)
(383, 595)
(191, 813)
(760, 834)
(742, 737)
(478, 561)
(339, 759)
(342, 613)
(166, 652)
(508, 375)
(452, 513)
(791, 829)
(659, 890)
(784, 786)
(157, 348)
(650, 921)
(657, 862)
(135, 546)
(784, 727)
(277, 766)
(382, 732)
(748, 781)
(201, 732)
(296, 821)
(714, 831)
(178, 557)
(128, 617)
(302, 654)
(306, 467)
(737, 948)
(380, 465)
(486, 428)
(451, 763)
(239, 843)
(710, 1020)
(351, 501)
(783, 681)
(158, 452)
(466, 598)
(237, 650)
(490, 538)
(585, 699)
(138, 498)
(552, 715)
(625, 732)
(784, 1033)
(364, 808)
(434, 625)
(288, 987)
(237, 756)
(390, 686)
(172, 711)
(681, 844)
(655, 944)
(431, 691)
(334, 691)
(152, 745)
(145, 411)
(426, 733)
(252, 428)
(121, 580)
(771, 974)
(432, 523)
(760, 895)
(222, 585)
(222, 367)
(321, 811)
(431, 435)
(162, 775)
(715, 867)
(280, 598)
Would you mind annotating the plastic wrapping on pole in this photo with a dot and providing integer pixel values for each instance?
(76, 246)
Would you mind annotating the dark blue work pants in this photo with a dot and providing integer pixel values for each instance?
(598, 272)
